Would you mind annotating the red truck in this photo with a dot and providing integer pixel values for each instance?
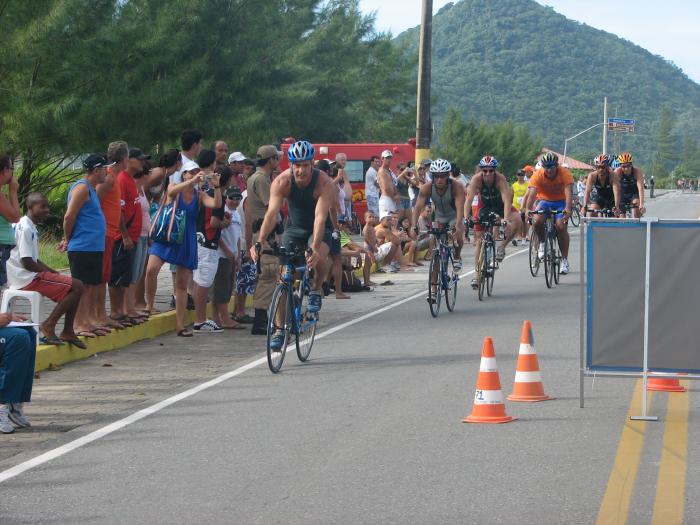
(358, 163)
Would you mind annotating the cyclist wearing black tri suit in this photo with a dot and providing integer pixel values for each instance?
(602, 188)
(631, 184)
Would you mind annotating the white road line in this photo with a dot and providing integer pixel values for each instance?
(136, 416)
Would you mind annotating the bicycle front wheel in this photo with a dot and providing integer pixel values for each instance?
(482, 266)
(556, 270)
(434, 284)
(450, 278)
(306, 328)
(491, 264)
(548, 261)
(534, 259)
(278, 324)
(575, 216)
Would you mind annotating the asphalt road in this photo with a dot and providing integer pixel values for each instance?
(370, 431)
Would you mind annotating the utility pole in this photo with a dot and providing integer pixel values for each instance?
(423, 121)
(605, 125)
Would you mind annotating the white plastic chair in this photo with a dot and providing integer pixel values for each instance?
(34, 298)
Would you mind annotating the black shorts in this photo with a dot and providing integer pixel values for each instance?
(122, 263)
(627, 198)
(602, 202)
(86, 266)
(297, 237)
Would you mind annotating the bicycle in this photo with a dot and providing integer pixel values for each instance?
(487, 264)
(354, 224)
(626, 210)
(552, 254)
(442, 267)
(292, 295)
(576, 213)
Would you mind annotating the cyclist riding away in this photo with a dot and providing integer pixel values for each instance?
(551, 186)
(602, 188)
(632, 184)
(310, 194)
(495, 196)
(447, 196)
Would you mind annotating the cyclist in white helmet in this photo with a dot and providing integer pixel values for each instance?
(447, 197)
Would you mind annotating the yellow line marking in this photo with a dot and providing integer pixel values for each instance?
(618, 494)
(669, 504)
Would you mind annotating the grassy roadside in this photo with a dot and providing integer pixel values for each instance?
(49, 254)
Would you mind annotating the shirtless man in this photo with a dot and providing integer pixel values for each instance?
(389, 199)
(385, 235)
(631, 181)
(494, 196)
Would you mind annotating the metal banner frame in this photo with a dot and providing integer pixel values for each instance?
(585, 371)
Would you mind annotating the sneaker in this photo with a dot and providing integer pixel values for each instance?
(515, 242)
(277, 339)
(475, 284)
(500, 252)
(395, 265)
(17, 416)
(524, 241)
(314, 303)
(5, 425)
(564, 267)
(540, 252)
(207, 327)
(457, 265)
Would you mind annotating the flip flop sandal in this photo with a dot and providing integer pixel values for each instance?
(387, 283)
(54, 341)
(237, 327)
(124, 321)
(184, 333)
(90, 334)
(76, 342)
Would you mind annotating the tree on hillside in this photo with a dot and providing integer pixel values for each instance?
(665, 155)
(689, 168)
(466, 142)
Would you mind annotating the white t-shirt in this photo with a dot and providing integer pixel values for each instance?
(176, 177)
(27, 245)
(371, 188)
(241, 213)
(233, 232)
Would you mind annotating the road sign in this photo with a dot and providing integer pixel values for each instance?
(621, 124)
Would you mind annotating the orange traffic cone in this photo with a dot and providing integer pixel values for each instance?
(488, 400)
(528, 383)
(664, 385)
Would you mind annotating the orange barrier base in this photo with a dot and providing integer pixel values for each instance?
(664, 385)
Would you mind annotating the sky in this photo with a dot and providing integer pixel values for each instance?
(669, 28)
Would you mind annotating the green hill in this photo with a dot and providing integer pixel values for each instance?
(518, 60)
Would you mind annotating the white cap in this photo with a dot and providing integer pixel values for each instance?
(387, 153)
(384, 213)
(190, 165)
(236, 156)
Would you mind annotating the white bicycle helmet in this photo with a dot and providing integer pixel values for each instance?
(440, 166)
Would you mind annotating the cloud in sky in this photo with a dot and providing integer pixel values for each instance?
(676, 38)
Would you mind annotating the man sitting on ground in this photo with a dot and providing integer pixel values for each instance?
(26, 272)
(384, 233)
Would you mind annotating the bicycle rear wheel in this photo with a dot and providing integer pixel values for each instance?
(280, 305)
(483, 270)
(306, 329)
(450, 277)
(534, 259)
(491, 264)
(434, 285)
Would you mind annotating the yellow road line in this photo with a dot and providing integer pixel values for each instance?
(669, 504)
(618, 494)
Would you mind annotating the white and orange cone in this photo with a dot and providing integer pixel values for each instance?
(488, 400)
(528, 385)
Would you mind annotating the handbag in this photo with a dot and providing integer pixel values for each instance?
(169, 223)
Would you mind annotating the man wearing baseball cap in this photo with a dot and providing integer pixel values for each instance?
(258, 199)
(236, 161)
(387, 184)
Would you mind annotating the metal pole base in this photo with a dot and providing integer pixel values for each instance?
(644, 418)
